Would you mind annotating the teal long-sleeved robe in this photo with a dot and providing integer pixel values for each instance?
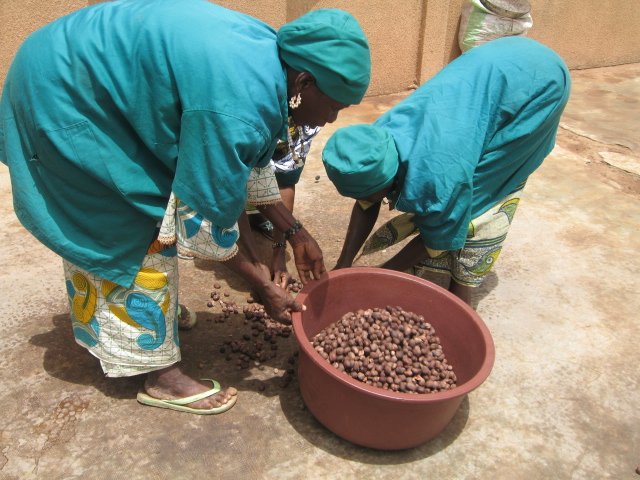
(474, 132)
(107, 110)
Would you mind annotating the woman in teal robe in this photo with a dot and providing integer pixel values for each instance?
(107, 111)
(460, 147)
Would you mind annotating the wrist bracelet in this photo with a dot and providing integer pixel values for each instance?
(297, 226)
(279, 245)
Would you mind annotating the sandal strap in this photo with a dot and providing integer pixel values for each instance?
(199, 396)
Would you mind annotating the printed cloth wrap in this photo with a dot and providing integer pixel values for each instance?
(468, 265)
(135, 330)
(198, 237)
(289, 157)
(195, 235)
(130, 330)
(287, 164)
(262, 189)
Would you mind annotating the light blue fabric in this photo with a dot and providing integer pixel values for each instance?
(108, 109)
(474, 132)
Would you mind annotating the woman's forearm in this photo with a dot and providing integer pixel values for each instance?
(412, 253)
(278, 214)
(246, 242)
(360, 225)
(255, 273)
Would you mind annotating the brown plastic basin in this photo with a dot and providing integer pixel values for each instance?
(371, 416)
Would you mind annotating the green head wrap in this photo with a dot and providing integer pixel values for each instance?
(330, 45)
(360, 160)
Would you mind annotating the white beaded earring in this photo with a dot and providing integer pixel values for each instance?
(295, 102)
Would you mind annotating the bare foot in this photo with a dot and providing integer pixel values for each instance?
(170, 383)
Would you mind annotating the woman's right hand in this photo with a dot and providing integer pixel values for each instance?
(278, 303)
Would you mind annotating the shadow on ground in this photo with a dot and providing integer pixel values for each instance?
(65, 360)
(315, 433)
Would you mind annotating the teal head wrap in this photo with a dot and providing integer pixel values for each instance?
(330, 45)
(360, 160)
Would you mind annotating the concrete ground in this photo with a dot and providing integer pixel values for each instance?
(562, 401)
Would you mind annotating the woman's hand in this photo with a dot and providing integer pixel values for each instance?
(278, 303)
(306, 252)
(308, 256)
(279, 267)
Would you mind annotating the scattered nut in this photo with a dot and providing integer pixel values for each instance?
(250, 348)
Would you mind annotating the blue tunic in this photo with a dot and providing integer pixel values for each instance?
(474, 132)
(107, 110)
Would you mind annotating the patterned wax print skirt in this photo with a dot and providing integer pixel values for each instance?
(467, 266)
(134, 330)
(130, 330)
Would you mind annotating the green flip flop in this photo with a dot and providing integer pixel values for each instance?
(179, 404)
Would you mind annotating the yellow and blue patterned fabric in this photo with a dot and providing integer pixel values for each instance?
(134, 330)
(468, 265)
(485, 236)
(198, 237)
(195, 235)
(107, 110)
(130, 330)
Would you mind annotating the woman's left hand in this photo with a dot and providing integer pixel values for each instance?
(279, 267)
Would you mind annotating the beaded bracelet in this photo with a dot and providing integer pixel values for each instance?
(297, 226)
(279, 245)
